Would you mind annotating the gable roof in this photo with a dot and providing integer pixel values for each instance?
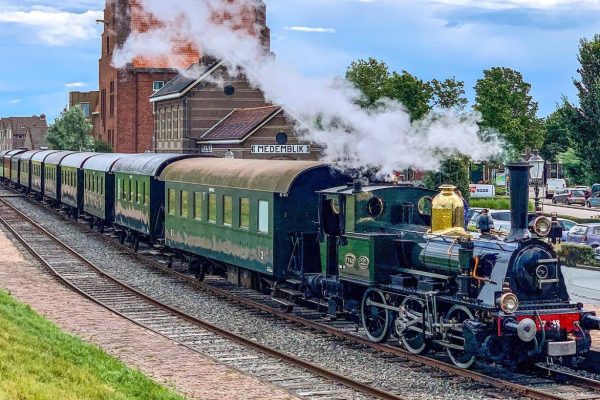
(185, 81)
(240, 123)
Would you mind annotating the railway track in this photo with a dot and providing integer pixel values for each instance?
(544, 384)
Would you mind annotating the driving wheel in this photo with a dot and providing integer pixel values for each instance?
(455, 316)
(409, 325)
(374, 315)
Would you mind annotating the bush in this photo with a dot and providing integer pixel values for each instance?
(497, 203)
(500, 191)
(576, 254)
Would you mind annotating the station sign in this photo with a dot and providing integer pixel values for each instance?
(280, 149)
(482, 191)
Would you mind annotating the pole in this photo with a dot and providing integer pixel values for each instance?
(537, 196)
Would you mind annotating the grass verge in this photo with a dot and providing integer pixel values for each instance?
(497, 203)
(38, 361)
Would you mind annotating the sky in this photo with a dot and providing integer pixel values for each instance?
(51, 48)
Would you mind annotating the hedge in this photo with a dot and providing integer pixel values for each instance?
(576, 254)
(497, 203)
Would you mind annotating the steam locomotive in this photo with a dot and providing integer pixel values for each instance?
(394, 256)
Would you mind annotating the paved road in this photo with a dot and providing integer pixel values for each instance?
(583, 285)
(572, 211)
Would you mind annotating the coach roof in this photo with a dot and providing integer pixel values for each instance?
(275, 176)
(41, 155)
(150, 164)
(56, 158)
(105, 162)
(27, 155)
(76, 160)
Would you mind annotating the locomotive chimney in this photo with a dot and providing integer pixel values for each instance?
(519, 201)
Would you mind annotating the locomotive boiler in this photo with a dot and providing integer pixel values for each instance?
(398, 256)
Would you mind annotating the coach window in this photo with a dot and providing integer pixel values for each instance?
(119, 191)
(146, 195)
(140, 192)
(227, 210)
(212, 208)
(133, 190)
(197, 206)
(171, 205)
(263, 216)
(244, 213)
(183, 204)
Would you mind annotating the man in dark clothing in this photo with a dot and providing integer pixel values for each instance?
(485, 223)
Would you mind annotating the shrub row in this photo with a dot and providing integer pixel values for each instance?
(576, 254)
(497, 203)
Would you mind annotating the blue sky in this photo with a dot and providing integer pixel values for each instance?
(50, 48)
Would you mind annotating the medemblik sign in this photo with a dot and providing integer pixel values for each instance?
(280, 149)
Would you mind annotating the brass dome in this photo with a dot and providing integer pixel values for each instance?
(448, 212)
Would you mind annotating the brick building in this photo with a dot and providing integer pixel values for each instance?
(207, 110)
(23, 132)
(126, 115)
(89, 102)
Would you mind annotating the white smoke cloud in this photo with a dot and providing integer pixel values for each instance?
(359, 138)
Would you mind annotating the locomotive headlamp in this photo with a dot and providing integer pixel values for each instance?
(541, 226)
(509, 303)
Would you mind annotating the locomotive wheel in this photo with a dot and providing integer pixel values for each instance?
(376, 319)
(409, 325)
(456, 315)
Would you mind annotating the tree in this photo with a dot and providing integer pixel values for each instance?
(101, 146)
(453, 171)
(412, 92)
(71, 131)
(576, 170)
(370, 76)
(503, 99)
(559, 132)
(587, 121)
(449, 94)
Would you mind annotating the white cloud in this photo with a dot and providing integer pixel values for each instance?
(512, 4)
(55, 27)
(15, 101)
(309, 29)
(75, 85)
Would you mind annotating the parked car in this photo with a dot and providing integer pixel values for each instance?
(553, 185)
(595, 188)
(566, 225)
(585, 234)
(501, 220)
(593, 200)
(569, 196)
(586, 190)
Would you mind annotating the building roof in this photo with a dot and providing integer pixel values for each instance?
(27, 131)
(275, 176)
(150, 164)
(186, 80)
(240, 123)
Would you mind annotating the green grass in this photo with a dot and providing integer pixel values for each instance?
(497, 203)
(38, 361)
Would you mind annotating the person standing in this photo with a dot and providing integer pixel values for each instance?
(465, 206)
(485, 223)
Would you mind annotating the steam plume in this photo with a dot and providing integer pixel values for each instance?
(326, 109)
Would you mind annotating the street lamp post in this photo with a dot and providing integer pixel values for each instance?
(537, 174)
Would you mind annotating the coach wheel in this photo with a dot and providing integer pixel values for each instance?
(409, 325)
(375, 316)
(455, 316)
(122, 237)
(135, 245)
(200, 272)
(92, 223)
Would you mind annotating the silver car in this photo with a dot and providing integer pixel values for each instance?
(569, 196)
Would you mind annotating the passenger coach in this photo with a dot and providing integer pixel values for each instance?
(8, 165)
(244, 213)
(52, 174)
(38, 172)
(71, 189)
(25, 170)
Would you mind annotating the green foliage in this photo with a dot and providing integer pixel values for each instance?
(497, 203)
(576, 254)
(38, 361)
(412, 92)
(559, 132)
(449, 94)
(454, 171)
(587, 119)
(370, 76)
(503, 99)
(101, 146)
(71, 131)
(575, 169)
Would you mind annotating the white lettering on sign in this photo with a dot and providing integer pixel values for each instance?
(280, 149)
(482, 191)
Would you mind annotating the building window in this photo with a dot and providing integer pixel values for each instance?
(206, 148)
(244, 213)
(212, 208)
(227, 210)
(197, 205)
(180, 116)
(263, 216)
(157, 85)
(163, 124)
(183, 204)
(85, 107)
(170, 123)
(171, 200)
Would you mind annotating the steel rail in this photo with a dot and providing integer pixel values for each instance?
(384, 348)
(291, 359)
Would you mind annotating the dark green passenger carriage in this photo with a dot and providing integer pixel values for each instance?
(139, 195)
(11, 174)
(245, 213)
(99, 188)
(52, 174)
(2, 153)
(38, 172)
(25, 169)
(71, 175)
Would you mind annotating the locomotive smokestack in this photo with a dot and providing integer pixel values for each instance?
(519, 201)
